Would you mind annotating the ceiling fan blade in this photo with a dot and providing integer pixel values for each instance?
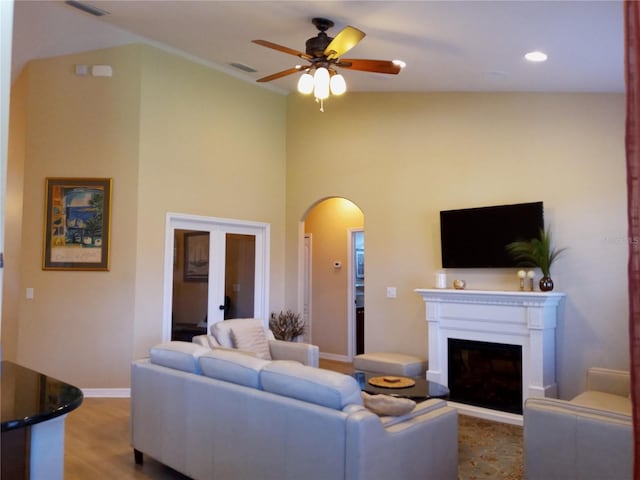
(344, 41)
(280, 48)
(281, 74)
(376, 66)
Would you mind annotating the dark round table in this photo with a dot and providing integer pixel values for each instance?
(422, 390)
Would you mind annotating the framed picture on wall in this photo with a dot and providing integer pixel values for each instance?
(196, 256)
(77, 224)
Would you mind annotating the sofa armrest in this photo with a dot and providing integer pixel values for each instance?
(421, 444)
(616, 382)
(304, 353)
(565, 440)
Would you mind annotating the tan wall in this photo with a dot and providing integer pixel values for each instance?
(11, 288)
(328, 223)
(209, 145)
(78, 327)
(404, 157)
(175, 137)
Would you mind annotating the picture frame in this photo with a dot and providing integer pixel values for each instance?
(196, 257)
(360, 264)
(77, 224)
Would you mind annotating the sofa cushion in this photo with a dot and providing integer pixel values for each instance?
(179, 355)
(233, 367)
(222, 330)
(604, 401)
(387, 405)
(253, 339)
(313, 385)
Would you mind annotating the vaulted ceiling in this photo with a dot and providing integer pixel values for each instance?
(447, 45)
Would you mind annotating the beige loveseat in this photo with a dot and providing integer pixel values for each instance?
(589, 437)
(219, 414)
(256, 340)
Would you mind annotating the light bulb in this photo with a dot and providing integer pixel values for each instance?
(321, 83)
(305, 84)
(338, 85)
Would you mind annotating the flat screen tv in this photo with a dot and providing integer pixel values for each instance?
(476, 237)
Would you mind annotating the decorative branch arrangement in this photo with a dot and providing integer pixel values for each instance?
(286, 325)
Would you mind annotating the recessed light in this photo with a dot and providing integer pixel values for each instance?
(536, 56)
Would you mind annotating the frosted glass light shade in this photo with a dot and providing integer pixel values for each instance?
(321, 83)
(305, 84)
(338, 85)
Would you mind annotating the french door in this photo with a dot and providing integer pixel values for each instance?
(214, 269)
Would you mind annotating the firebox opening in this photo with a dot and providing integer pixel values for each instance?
(486, 374)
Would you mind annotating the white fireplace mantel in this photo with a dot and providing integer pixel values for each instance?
(520, 318)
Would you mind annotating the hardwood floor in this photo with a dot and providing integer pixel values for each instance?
(97, 441)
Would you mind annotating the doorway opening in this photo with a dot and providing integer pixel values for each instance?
(327, 281)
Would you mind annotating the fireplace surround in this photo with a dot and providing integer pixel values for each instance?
(523, 319)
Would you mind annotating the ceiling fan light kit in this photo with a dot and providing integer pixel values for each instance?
(324, 54)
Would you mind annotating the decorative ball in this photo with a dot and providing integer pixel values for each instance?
(531, 274)
(459, 284)
(522, 274)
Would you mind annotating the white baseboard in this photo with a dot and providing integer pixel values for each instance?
(336, 357)
(106, 392)
(487, 414)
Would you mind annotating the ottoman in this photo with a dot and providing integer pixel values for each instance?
(389, 363)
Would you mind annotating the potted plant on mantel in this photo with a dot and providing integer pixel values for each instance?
(286, 325)
(537, 252)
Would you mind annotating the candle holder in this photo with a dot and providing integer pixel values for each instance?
(521, 275)
(530, 275)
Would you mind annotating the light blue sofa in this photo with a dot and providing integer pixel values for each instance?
(219, 414)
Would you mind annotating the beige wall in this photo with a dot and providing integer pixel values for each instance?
(79, 325)
(175, 137)
(404, 157)
(328, 223)
(209, 145)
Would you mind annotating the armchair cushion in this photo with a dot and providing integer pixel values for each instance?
(222, 330)
(252, 338)
(604, 401)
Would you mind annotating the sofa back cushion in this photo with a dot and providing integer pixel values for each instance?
(222, 330)
(234, 367)
(178, 355)
(313, 385)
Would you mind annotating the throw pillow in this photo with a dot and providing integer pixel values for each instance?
(253, 339)
(387, 405)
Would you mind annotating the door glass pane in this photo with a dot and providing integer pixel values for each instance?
(190, 284)
(240, 274)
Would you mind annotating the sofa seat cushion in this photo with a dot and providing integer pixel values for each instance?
(604, 401)
(314, 385)
(234, 367)
(178, 355)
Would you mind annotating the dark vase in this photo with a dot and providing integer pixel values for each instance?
(546, 284)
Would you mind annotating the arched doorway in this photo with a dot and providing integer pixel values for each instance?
(332, 281)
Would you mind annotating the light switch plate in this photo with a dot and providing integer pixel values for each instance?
(391, 292)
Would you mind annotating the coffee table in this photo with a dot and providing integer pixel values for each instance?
(422, 390)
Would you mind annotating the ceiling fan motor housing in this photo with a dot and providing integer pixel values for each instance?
(317, 45)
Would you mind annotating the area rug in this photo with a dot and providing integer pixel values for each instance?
(489, 450)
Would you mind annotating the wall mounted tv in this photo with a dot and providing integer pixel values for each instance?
(476, 237)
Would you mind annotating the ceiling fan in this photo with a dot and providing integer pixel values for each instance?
(324, 54)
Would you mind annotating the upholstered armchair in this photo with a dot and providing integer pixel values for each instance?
(250, 336)
(588, 437)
